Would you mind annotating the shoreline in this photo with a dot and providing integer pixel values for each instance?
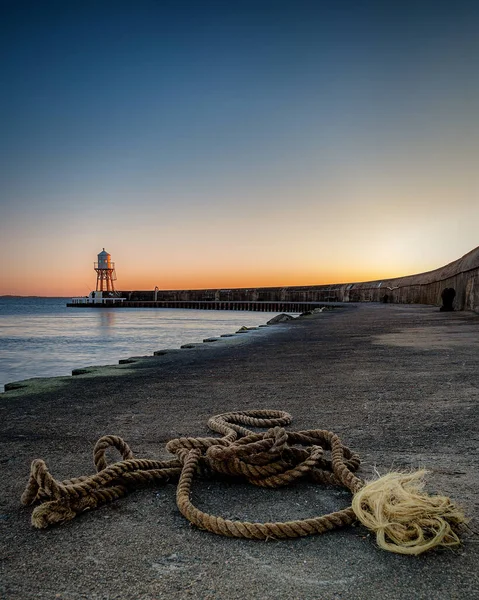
(109, 368)
(35, 384)
(398, 384)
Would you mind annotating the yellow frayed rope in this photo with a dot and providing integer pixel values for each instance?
(406, 519)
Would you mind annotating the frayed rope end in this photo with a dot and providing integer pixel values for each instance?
(406, 519)
(59, 511)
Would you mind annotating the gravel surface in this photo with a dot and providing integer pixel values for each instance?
(398, 383)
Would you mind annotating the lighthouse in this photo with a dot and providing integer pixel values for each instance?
(105, 273)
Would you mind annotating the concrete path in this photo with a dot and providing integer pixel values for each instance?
(399, 384)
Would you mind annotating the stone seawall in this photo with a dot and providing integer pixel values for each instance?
(424, 288)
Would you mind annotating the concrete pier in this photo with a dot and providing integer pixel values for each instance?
(397, 383)
(462, 276)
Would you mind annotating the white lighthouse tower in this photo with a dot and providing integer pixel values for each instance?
(105, 273)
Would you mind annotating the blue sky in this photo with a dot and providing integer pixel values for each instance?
(212, 144)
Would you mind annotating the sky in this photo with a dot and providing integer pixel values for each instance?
(235, 144)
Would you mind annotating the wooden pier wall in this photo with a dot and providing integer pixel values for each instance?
(289, 307)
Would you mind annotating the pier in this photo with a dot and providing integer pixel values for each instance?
(293, 307)
(462, 276)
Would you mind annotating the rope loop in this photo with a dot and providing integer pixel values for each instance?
(404, 519)
(108, 441)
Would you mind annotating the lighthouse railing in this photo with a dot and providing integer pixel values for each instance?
(97, 300)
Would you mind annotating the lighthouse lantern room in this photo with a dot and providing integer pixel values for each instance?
(105, 273)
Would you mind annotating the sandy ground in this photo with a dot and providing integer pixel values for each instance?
(399, 384)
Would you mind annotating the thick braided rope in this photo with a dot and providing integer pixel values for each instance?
(245, 529)
(269, 459)
(341, 471)
(405, 519)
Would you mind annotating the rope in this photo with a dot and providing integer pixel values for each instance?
(272, 459)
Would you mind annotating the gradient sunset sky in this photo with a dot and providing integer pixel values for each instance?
(235, 144)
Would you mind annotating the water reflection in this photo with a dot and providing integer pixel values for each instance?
(107, 319)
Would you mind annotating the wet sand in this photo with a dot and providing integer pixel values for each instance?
(398, 383)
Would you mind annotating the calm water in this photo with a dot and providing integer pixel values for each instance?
(41, 337)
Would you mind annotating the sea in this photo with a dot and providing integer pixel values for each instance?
(42, 337)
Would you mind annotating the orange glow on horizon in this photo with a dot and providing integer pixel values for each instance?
(250, 281)
(217, 173)
(220, 280)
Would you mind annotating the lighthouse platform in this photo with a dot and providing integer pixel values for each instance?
(97, 299)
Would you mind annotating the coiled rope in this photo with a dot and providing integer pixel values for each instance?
(405, 519)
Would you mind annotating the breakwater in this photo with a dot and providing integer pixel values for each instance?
(425, 288)
(258, 306)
